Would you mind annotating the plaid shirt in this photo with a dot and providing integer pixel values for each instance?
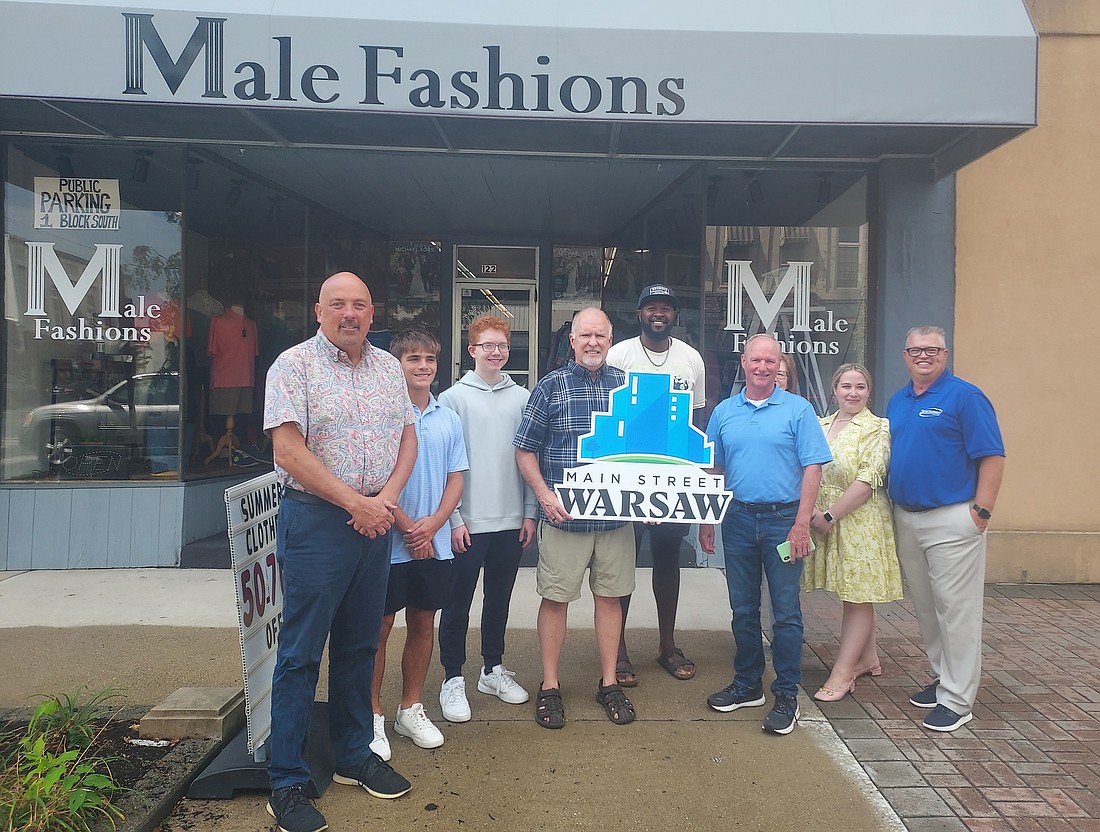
(558, 413)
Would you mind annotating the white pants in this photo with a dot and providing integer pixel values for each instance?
(942, 556)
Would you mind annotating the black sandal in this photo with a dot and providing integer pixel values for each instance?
(549, 708)
(615, 704)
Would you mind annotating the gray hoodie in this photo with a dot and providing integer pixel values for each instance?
(495, 496)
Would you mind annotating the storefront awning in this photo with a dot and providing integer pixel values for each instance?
(794, 76)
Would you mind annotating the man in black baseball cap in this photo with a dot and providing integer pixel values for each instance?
(656, 351)
(658, 292)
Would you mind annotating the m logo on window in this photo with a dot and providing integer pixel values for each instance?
(43, 262)
(741, 281)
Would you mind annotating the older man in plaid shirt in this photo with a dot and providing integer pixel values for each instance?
(558, 413)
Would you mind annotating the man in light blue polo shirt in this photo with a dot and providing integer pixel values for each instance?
(421, 562)
(946, 464)
(771, 447)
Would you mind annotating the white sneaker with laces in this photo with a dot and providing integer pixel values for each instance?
(381, 744)
(501, 684)
(414, 723)
(453, 701)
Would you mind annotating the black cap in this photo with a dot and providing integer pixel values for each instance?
(658, 292)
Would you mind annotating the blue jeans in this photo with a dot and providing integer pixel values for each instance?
(335, 589)
(499, 553)
(749, 542)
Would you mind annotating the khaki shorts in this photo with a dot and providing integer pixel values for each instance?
(563, 557)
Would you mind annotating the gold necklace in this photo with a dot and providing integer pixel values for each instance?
(645, 349)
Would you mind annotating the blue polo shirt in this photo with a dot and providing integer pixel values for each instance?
(440, 451)
(764, 449)
(937, 440)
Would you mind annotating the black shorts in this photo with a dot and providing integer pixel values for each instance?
(664, 539)
(420, 584)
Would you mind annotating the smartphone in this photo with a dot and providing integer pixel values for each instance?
(784, 550)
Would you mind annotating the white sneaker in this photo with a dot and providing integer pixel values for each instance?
(414, 724)
(380, 745)
(500, 683)
(453, 701)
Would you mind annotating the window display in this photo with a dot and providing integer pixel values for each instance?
(92, 352)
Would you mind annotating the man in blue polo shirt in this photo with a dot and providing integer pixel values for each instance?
(946, 464)
(771, 447)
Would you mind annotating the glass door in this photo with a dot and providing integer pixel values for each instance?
(500, 281)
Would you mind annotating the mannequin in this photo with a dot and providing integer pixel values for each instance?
(201, 307)
(234, 346)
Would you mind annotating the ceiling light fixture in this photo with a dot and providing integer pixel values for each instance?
(141, 166)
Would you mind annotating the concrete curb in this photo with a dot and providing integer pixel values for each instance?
(155, 796)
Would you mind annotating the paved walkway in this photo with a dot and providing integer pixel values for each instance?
(1029, 762)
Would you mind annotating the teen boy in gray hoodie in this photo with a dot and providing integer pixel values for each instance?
(493, 524)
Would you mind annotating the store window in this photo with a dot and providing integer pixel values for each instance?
(247, 300)
(806, 283)
(91, 362)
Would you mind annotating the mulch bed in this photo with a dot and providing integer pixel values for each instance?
(128, 763)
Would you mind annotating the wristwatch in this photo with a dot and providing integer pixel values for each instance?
(829, 517)
(983, 513)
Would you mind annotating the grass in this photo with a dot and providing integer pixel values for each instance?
(53, 779)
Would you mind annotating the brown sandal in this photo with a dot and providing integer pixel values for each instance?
(625, 675)
(677, 665)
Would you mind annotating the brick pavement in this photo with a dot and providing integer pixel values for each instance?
(1028, 762)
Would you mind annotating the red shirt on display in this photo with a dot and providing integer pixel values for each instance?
(234, 347)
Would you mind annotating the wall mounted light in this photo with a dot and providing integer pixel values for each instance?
(756, 192)
(64, 162)
(193, 174)
(233, 195)
(141, 166)
(713, 189)
(824, 188)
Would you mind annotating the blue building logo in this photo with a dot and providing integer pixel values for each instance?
(649, 421)
(645, 460)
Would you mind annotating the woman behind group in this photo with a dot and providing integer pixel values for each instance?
(855, 555)
(787, 375)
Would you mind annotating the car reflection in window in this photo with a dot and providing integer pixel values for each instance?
(141, 413)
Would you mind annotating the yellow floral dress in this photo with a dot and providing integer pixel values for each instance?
(857, 560)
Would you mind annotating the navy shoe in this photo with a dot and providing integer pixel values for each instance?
(944, 719)
(376, 776)
(783, 715)
(927, 697)
(736, 695)
(293, 811)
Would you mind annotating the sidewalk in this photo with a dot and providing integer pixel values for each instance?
(1029, 761)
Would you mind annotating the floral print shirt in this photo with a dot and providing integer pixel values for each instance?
(351, 415)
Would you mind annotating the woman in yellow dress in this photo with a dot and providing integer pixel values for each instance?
(853, 529)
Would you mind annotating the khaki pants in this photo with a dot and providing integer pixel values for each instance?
(942, 556)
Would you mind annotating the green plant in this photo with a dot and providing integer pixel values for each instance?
(54, 780)
(68, 722)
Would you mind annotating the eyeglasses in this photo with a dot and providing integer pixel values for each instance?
(781, 374)
(917, 352)
(501, 348)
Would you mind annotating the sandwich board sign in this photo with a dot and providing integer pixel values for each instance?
(253, 509)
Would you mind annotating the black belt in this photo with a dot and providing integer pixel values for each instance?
(307, 498)
(312, 499)
(765, 508)
(916, 509)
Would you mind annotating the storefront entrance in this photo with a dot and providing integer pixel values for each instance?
(500, 281)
